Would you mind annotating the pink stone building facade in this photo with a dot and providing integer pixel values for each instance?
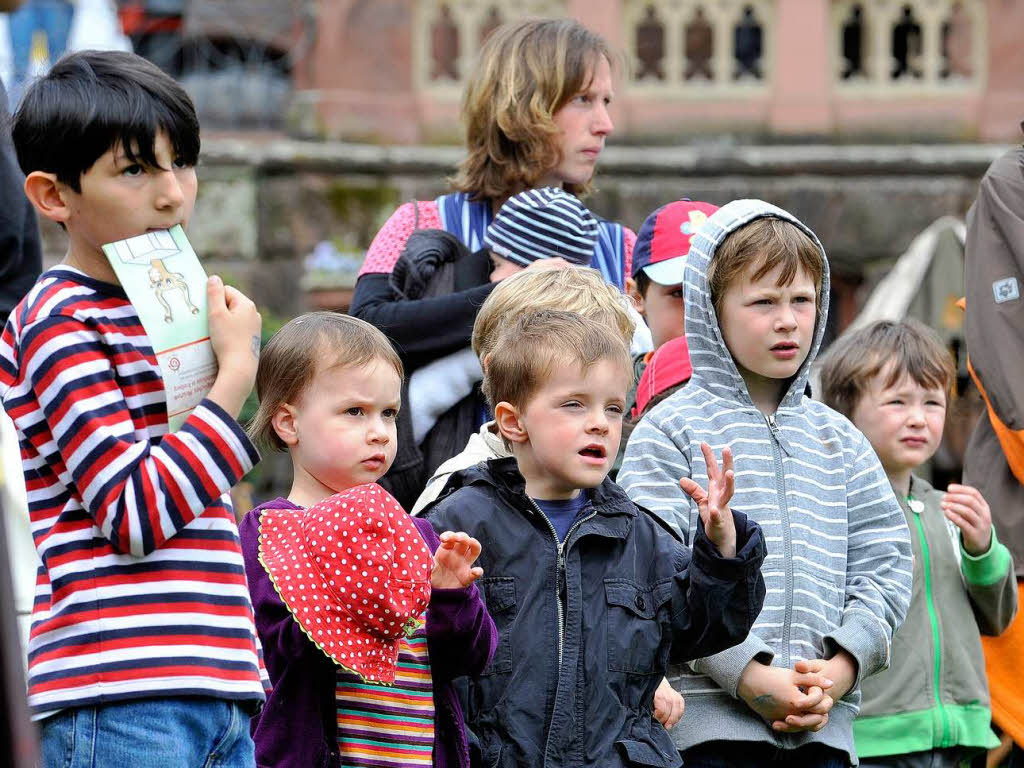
(392, 71)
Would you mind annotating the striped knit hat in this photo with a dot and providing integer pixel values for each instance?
(543, 224)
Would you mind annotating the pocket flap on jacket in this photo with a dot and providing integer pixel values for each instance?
(642, 753)
(634, 598)
(499, 592)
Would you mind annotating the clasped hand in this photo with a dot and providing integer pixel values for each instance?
(801, 698)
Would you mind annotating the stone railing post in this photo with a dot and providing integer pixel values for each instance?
(802, 75)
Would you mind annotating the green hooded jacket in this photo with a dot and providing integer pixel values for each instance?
(934, 693)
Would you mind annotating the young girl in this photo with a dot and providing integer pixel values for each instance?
(329, 390)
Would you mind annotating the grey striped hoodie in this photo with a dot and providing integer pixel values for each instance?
(838, 570)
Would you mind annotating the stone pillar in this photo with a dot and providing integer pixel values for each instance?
(605, 17)
(357, 82)
(601, 16)
(802, 71)
(1002, 105)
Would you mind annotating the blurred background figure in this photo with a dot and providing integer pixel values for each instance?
(46, 19)
(20, 264)
(154, 27)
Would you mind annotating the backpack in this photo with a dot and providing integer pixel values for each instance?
(432, 263)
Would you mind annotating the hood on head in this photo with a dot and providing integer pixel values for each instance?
(713, 365)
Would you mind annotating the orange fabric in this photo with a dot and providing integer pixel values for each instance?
(1004, 662)
(1012, 441)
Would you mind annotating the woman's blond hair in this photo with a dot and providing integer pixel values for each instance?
(574, 289)
(526, 72)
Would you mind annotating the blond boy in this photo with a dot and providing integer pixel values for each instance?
(581, 290)
(591, 593)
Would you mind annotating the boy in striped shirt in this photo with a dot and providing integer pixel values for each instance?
(142, 638)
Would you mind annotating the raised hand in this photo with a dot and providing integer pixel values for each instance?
(713, 503)
(453, 561)
(966, 508)
(235, 337)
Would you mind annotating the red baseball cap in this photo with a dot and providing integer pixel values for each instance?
(669, 365)
(664, 240)
(354, 572)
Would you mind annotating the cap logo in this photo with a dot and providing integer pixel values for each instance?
(697, 219)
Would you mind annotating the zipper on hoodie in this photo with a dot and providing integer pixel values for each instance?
(775, 438)
(560, 569)
(934, 621)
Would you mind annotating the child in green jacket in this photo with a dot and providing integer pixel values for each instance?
(931, 707)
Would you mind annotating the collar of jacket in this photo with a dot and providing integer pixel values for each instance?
(615, 512)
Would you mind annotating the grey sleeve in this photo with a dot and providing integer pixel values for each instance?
(879, 567)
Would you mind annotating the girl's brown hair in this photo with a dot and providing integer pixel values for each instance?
(291, 358)
(526, 72)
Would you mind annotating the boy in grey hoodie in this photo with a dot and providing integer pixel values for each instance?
(838, 570)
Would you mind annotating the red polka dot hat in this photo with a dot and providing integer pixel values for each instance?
(354, 572)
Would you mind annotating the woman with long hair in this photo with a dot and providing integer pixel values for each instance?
(536, 113)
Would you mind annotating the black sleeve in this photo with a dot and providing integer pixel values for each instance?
(425, 328)
(716, 600)
(20, 252)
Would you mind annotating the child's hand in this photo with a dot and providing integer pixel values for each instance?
(714, 503)
(841, 669)
(453, 561)
(965, 507)
(788, 699)
(235, 337)
(668, 705)
(234, 325)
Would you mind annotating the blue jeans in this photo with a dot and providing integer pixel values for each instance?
(162, 733)
(752, 754)
(53, 17)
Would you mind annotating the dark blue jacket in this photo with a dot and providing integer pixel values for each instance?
(588, 628)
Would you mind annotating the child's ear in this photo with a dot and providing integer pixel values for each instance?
(635, 295)
(283, 422)
(510, 425)
(47, 195)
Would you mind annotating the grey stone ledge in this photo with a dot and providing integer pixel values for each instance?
(290, 155)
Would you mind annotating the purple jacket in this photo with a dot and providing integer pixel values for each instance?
(297, 728)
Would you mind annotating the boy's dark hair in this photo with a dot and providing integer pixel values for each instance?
(643, 282)
(908, 348)
(91, 101)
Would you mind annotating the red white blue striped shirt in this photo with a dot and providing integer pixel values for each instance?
(141, 589)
